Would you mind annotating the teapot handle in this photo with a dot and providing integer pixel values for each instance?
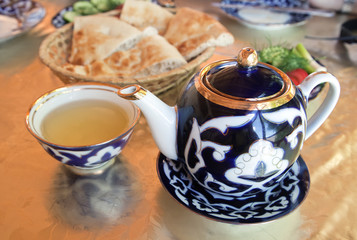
(327, 105)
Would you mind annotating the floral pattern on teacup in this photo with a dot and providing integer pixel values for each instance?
(88, 157)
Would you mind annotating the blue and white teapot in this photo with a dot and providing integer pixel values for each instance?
(239, 124)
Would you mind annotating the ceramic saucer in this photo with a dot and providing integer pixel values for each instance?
(276, 202)
(264, 19)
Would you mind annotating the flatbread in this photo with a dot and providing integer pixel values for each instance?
(96, 68)
(151, 56)
(142, 14)
(96, 37)
(192, 32)
(107, 47)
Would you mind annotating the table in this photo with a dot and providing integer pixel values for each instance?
(41, 199)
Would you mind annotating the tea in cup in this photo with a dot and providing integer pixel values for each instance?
(84, 126)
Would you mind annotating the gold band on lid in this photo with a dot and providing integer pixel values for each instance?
(248, 58)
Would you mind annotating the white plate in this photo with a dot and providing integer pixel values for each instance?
(264, 19)
(11, 27)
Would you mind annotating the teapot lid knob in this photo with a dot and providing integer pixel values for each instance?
(247, 57)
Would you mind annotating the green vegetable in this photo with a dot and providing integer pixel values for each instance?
(117, 2)
(312, 65)
(70, 15)
(84, 8)
(293, 61)
(289, 59)
(274, 55)
(91, 7)
(283, 58)
(103, 5)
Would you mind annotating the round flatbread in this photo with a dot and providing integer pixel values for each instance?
(192, 32)
(96, 37)
(142, 14)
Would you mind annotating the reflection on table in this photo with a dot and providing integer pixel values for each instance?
(41, 199)
(94, 201)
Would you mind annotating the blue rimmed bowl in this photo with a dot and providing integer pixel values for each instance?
(88, 158)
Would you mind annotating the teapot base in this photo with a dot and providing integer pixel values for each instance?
(279, 200)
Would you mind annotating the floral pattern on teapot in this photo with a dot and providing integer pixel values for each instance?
(263, 161)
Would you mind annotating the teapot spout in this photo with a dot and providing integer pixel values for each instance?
(162, 119)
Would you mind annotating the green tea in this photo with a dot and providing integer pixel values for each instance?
(84, 123)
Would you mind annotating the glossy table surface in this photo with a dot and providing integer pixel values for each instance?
(41, 199)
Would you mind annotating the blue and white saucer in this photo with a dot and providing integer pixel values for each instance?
(277, 201)
(262, 18)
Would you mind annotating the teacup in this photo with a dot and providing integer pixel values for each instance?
(70, 122)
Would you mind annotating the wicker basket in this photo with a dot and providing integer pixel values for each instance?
(55, 50)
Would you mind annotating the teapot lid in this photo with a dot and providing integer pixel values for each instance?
(244, 83)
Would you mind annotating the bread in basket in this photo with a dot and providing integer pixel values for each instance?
(55, 51)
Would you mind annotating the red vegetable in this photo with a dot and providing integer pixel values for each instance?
(297, 75)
